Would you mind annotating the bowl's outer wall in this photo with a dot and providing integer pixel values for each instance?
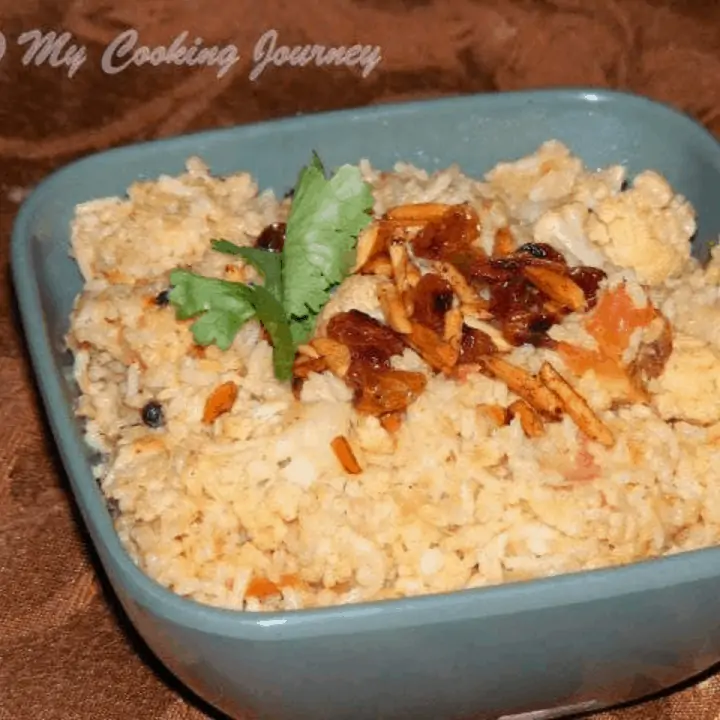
(381, 663)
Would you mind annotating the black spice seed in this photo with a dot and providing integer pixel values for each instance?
(152, 414)
(535, 249)
(163, 298)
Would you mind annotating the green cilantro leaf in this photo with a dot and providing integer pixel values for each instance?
(302, 329)
(267, 263)
(325, 219)
(219, 327)
(271, 314)
(224, 306)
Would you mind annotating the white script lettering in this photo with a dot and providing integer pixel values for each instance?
(123, 52)
(56, 50)
(267, 52)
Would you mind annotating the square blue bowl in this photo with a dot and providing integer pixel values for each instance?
(577, 642)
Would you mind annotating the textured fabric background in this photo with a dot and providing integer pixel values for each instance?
(64, 654)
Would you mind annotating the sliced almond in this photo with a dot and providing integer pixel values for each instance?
(504, 242)
(394, 309)
(530, 421)
(524, 385)
(453, 328)
(413, 274)
(478, 309)
(576, 407)
(418, 212)
(378, 265)
(344, 453)
(457, 282)
(495, 413)
(408, 300)
(368, 244)
(399, 261)
(556, 286)
(437, 353)
(471, 302)
(552, 307)
(220, 401)
(304, 365)
(308, 351)
(335, 354)
(492, 332)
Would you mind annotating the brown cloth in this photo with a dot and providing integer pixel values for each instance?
(64, 653)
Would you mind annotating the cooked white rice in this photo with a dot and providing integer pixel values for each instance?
(449, 502)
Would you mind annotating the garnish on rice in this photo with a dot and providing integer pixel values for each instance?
(460, 309)
(318, 253)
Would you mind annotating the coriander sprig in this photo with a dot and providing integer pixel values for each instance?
(325, 219)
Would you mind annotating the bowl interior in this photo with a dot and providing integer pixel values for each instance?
(475, 132)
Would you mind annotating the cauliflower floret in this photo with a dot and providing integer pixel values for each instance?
(595, 187)
(693, 305)
(646, 228)
(535, 183)
(358, 292)
(690, 384)
(564, 229)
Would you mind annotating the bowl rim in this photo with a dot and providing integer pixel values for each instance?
(572, 588)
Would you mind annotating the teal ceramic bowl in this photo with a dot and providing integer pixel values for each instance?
(572, 643)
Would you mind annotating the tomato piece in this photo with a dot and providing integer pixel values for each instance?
(615, 319)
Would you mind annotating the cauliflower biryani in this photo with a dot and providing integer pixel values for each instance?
(390, 384)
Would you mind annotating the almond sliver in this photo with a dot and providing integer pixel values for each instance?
(399, 261)
(504, 242)
(453, 328)
(524, 385)
(418, 212)
(378, 265)
(368, 244)
(220, 401)
(495, 413)
(344, 453)
(335, 354)
(559, 288)
(394, 309)
(530, 421)
(576, 406)
(437, 353)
